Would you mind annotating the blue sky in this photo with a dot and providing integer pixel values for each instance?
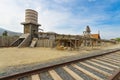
(65, 16)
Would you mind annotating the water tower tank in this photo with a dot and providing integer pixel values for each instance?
(31, 16)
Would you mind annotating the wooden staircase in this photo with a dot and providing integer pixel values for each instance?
(34, 42)
(23, 41)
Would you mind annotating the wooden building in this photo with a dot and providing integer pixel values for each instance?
(51, 39)
(33, 38)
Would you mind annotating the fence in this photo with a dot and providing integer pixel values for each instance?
(45, 43)
(5, 41)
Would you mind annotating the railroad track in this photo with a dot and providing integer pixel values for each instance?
(101, 66)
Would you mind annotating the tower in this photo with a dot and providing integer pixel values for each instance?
(87, 35)
(31, 23)
(87, 32)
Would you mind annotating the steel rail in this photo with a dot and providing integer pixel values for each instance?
(49, 65)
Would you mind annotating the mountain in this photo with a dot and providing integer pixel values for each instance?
(10, 33)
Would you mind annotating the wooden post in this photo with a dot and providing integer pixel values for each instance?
(75, 44)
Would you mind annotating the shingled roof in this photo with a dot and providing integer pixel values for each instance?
(96, 36)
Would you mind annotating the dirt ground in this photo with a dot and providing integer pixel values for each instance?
(19, 56)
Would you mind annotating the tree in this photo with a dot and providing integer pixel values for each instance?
(118, 39)
(5, 33)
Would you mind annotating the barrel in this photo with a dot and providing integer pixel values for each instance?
(31, 16)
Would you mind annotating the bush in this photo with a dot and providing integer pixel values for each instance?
(118, 39)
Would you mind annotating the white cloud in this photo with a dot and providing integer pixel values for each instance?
(53, 16)
(51, 19)
(10, 15)
(109, 31)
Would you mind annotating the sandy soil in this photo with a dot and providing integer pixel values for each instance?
(19, 56)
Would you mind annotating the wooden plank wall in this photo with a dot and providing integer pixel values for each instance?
(45, 43)
(5, 41)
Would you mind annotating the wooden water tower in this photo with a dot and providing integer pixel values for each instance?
(31, 25)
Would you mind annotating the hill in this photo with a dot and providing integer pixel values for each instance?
(10, 33)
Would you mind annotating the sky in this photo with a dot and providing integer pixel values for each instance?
(65, 16)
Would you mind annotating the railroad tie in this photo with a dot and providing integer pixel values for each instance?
(114, 58)
(111, 60)
(54, 75)
(35, 77)
(96, 69)
(106, 63)
(100, 65)
(73, 74)
(87, 72)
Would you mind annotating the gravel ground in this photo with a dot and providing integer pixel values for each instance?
(45, 76)
(63, 74)
(25, 78)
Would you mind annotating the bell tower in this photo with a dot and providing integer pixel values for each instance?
(87, 32)
(87, 35)
(31, 25)
(88, 29)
